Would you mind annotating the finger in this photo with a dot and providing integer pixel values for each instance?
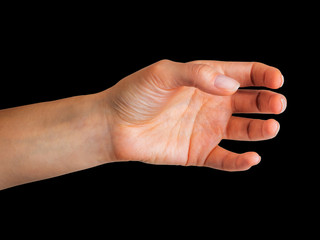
(246, 129)
(249, 73)
(173, 75)
(220, 158)
(258, 101)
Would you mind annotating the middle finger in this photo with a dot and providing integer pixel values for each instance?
(258, 101)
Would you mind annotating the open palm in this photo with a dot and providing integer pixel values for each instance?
(173, 113)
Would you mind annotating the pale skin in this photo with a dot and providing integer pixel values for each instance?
(167, 113)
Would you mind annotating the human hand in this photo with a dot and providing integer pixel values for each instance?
(177, 113)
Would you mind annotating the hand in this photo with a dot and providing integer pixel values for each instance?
(177, 113)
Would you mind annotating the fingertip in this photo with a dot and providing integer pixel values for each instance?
(283, 101)
(248, 160)
(254, 158)
(282, 81)
(274, 79)
(278, 104)
(271, 128)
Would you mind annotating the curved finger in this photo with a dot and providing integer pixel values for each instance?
(247, 129)
(171, 75)
(258, 101)
(249, 73)
(222, 159)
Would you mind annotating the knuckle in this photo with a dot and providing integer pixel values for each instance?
(249, 129)
(160, 65)
(164, 62)
(254, 67)
(158, 72)
(157, 69)
(259, 102)
(200, 71)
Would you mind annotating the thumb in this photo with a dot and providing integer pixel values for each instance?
(201, 76)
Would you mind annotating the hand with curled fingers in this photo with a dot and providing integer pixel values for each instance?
(177, 113)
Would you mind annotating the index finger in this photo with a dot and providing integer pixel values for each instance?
(248, 73)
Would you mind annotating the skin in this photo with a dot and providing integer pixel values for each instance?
(167, 113)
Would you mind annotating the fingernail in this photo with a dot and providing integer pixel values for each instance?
(225, 83)
(283, 104)
(257, 160)
(282, 80)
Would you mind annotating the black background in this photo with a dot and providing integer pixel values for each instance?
(52, 52)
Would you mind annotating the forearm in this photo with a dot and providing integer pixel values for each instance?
(48, 139)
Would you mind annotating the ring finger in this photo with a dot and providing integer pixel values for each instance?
(247, 129)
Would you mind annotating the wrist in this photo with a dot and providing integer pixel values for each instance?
(99, 124)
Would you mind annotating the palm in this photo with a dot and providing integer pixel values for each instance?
(184, 133)
(187, 126)
(191, 127)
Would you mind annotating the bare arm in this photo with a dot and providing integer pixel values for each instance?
(48, 139)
